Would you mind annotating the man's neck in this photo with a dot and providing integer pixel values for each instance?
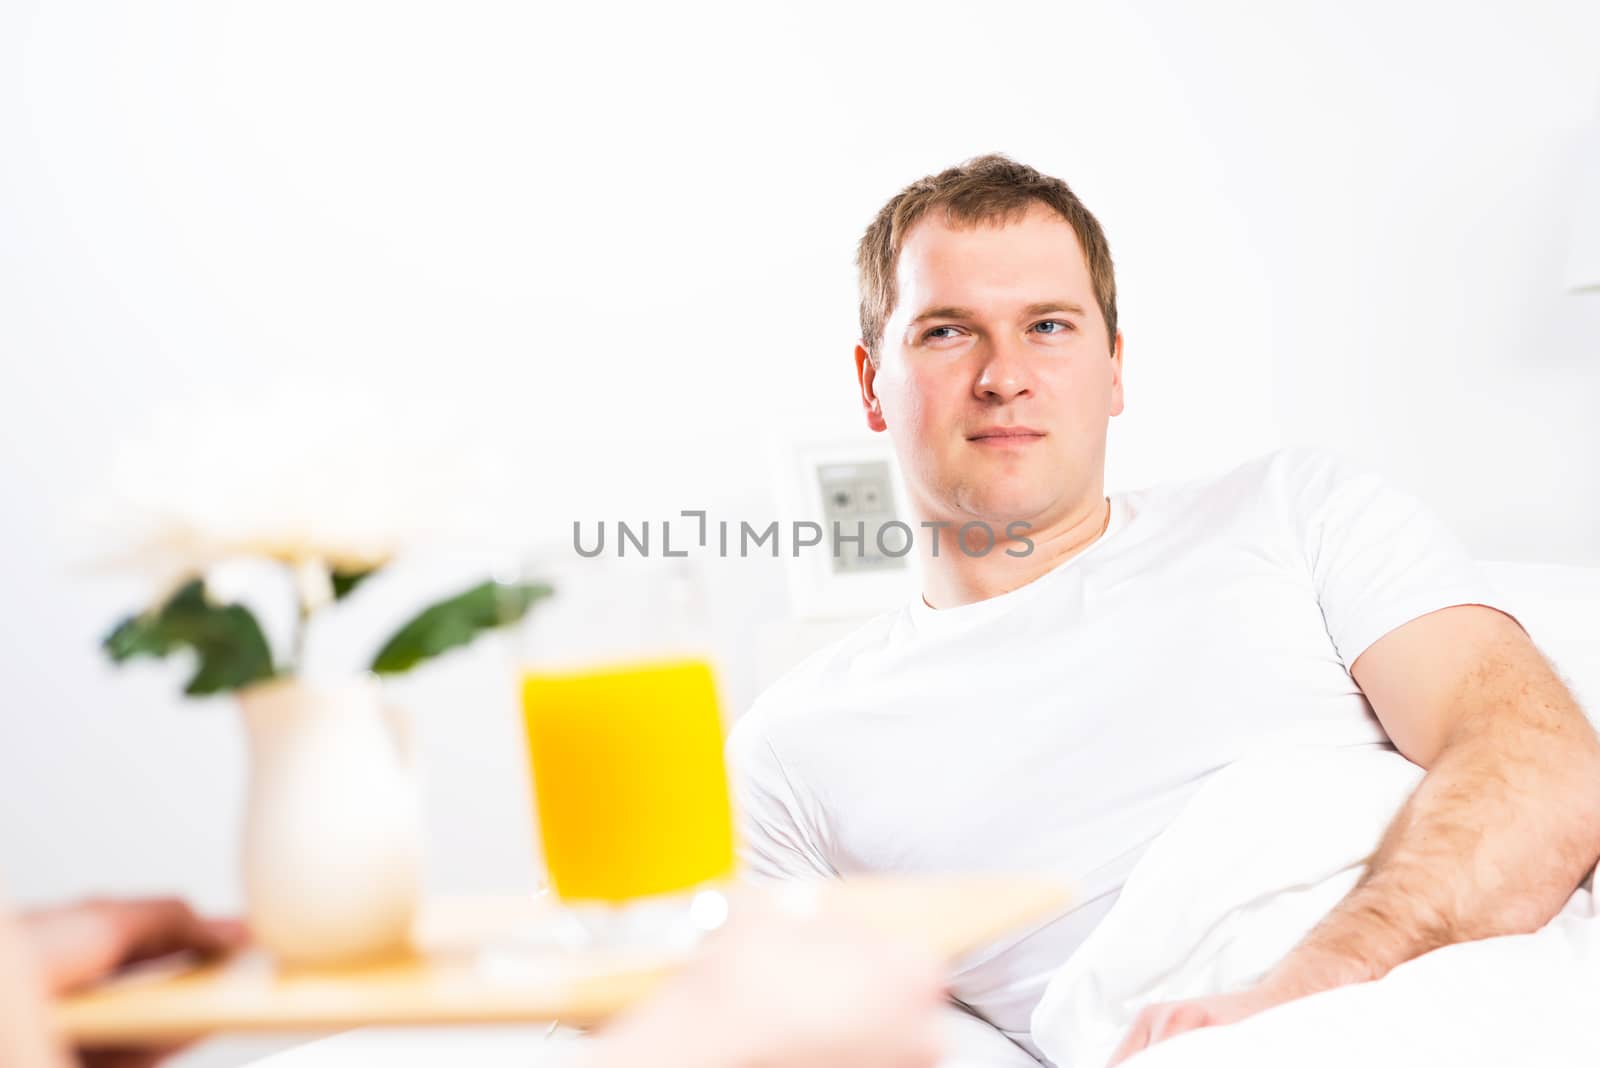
(953, 578)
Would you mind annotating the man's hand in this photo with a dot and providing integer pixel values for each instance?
(783, 991)
(78, 945)
(1162, 1020)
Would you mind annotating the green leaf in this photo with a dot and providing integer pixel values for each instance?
(455, 622)
(345, 582)
(230, 650)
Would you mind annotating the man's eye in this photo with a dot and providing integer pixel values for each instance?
(1062, 323)
(935, 335)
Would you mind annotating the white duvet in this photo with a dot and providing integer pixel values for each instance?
(1264, 850)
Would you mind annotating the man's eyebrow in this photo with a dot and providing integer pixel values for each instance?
(945, 311)
(1050, 306)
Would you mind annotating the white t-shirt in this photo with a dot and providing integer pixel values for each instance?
(1059, 727)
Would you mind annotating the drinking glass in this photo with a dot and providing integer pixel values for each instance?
(625, 740)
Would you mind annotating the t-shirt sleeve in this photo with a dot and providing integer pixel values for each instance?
(773, 842)
(1378, 557)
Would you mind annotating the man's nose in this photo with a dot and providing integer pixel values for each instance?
(1004, 375)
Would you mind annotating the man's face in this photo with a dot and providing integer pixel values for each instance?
(995, 377)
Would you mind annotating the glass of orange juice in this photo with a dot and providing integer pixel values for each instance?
(625, 739)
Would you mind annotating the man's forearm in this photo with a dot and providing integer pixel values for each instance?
(1495, 839)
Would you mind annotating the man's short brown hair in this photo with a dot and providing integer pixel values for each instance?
(987, 189)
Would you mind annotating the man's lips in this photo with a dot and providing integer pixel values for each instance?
(1006, 435)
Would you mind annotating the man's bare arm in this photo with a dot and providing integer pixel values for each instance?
(1506, 823)
(1494, 840)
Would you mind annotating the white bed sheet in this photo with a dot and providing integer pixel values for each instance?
(1266, 848)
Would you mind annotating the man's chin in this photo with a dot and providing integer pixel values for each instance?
(1001, 510)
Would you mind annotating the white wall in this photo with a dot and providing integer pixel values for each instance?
(618, 242)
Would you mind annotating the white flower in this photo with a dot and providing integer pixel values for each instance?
(314, 585)
(316, 475)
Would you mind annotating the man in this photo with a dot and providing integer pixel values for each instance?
(1051, 703)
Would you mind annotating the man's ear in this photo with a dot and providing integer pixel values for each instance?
(866, 374)
(1116, 375)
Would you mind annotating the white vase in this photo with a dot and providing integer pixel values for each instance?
(333, 831)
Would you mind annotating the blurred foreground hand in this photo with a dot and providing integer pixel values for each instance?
(778, 990)
(75, 946)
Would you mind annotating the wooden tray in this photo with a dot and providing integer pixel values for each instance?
(491, 960)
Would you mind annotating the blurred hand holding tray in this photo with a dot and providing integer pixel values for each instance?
(491, 960)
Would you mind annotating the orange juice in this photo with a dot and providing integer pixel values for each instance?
(628, 778)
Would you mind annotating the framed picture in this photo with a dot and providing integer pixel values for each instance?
(846, 493)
